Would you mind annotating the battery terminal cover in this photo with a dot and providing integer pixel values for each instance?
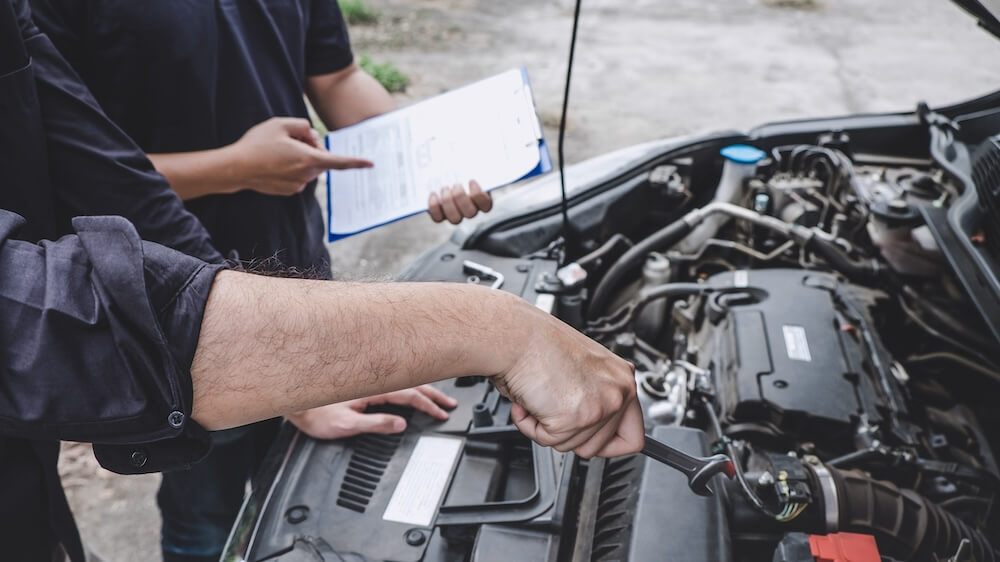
(844, 547)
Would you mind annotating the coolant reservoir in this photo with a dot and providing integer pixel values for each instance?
(656, 271)
(905, 242)
(740, 166)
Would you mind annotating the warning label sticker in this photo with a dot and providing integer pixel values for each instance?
(418, 493)
(796, 343)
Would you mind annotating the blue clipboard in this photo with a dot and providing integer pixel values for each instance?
(544, 166)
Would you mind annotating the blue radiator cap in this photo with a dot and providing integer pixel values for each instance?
(743, 154)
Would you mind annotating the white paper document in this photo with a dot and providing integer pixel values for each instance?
(487, 131)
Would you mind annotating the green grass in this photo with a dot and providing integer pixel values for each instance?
(386, 73)
(357, 12)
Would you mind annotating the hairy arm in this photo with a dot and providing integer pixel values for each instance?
(273, 346)
(324, 342)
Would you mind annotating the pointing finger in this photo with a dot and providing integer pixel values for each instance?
(328, 161)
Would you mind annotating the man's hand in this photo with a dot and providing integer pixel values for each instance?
(281, 155)
(278, 157)
(345, 419)
(572, 394)
(454, 203)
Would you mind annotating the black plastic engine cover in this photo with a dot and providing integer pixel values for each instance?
(335, 498)
(485, 492)
(645, 510)
(786, 355)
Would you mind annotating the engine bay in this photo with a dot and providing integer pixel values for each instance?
(816, 335)
(810, 309)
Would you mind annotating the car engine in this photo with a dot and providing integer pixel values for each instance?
(805, 321)
(805, 308)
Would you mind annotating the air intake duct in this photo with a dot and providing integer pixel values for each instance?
(906, 525)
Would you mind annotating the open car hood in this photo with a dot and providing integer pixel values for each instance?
(987, 12)
(854, 380)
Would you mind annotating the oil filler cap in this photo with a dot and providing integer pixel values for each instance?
(896, 213)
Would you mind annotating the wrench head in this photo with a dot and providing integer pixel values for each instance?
(716, 464)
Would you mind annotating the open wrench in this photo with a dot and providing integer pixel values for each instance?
(699, 470)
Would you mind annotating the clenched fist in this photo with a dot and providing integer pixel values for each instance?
(569, 392)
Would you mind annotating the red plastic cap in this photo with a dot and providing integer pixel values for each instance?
(729, 469)
(844, 547)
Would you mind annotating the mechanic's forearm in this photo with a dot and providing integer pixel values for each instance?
(270, 346)
(347, 97)
(200, 173)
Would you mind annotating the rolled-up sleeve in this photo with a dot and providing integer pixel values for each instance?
(98, 332)
(328, 47)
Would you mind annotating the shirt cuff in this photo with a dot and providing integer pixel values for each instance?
(176, 293)
(177, 453)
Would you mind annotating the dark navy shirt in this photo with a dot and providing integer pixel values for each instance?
(97, 335)
(185, 75)
(97, 329)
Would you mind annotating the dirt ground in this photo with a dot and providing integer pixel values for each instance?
(645, 69)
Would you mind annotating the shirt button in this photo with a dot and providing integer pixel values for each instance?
(138, 459)
(175, 419)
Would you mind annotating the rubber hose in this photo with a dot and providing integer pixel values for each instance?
(906, 525)
(983, 370)
(634, 257)
(594, 259)
(856, 271)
